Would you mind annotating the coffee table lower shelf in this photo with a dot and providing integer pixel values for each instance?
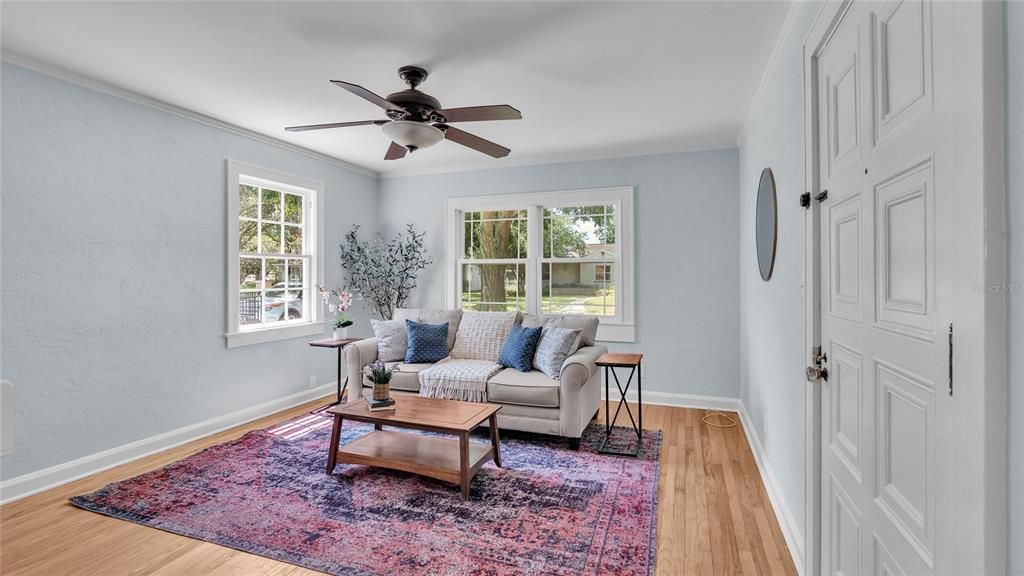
(438, 458)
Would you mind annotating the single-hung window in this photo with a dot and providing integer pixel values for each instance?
(493, 266)
(274, 251)
(579, 257)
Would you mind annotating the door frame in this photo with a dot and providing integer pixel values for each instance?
(978, 306)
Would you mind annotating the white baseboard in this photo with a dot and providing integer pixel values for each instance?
(40, 480)
(794, 539)
(680, 400)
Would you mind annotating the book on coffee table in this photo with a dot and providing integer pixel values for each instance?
(380, 405)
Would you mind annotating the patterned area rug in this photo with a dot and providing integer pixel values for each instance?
(551, 511)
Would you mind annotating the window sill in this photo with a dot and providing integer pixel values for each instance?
(618, 332)
(249, 337)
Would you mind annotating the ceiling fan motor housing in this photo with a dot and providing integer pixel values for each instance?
(419, 106)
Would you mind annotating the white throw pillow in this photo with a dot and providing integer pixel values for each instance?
(392, 341)
(482, 334)
(556, 344)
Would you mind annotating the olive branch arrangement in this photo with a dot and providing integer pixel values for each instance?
(384, 272)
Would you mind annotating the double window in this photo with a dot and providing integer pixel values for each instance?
(558, 253)
(273, 252)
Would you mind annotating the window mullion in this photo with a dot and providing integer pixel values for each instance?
(259, 225)
(534, 251)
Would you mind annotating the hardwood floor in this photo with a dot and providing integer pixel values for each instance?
(714, 516)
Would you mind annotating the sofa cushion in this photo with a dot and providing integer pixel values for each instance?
(587, 325)
(404, 377)
(391, 339)
(482, 334)
(519, 348)
(433, 316)
(428, 343)
(403, 381)
(532, 388)
(556, 344)
(412, 368)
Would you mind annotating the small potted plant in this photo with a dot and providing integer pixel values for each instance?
(380, 375)
(338, 302)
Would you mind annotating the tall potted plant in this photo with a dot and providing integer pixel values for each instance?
(384, 272)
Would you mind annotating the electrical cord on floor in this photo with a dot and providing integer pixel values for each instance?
(730, 419)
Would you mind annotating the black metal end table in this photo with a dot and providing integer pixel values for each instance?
(611, 361)
(340, 345)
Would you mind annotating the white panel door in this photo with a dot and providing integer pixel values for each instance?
(885, 294)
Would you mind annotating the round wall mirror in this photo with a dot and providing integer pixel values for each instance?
(767, 223)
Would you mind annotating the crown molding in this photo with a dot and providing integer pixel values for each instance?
(566, 158)
(787, 26)
(91, 83)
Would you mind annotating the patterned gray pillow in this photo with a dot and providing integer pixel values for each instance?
(391, 340)
(482, 334)
(556, 344)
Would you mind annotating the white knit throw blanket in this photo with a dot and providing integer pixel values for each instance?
(464, 380)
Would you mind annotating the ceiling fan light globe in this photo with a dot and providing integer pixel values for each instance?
(412, 135)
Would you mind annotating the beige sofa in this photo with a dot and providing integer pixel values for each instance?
(531, 401)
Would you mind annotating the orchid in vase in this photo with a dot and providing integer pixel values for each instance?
(338, 303)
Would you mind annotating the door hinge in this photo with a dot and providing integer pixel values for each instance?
(805, 200)
(950, 358)
(822, 196)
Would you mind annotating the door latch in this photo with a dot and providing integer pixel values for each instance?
(818, 371)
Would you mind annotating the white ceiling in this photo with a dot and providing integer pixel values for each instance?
(591, 79)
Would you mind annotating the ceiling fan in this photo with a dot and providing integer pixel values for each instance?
(418, 121)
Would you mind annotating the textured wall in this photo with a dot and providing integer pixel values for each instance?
(1015, 279)
(772, 313)
(686, 231)
(114, 271)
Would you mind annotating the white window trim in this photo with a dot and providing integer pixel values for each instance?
(623, 329)
(314, 218)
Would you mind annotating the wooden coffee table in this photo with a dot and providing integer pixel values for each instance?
(447, 459)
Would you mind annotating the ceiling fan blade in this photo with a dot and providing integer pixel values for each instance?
(395, 152)
(367, 95)
(479, 113)
(475, 142)
(334, 125)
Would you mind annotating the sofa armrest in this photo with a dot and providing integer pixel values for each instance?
(579, 393)
(357, 356)
(578, 368)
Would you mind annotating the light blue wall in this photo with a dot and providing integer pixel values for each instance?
(686, 229)
(114, 271)
(772, 347)
(1015, 279)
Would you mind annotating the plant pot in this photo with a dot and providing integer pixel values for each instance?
(381, 390)
(341, 333)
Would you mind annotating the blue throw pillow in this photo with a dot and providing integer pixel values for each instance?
(427, 342)
(519, 348)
